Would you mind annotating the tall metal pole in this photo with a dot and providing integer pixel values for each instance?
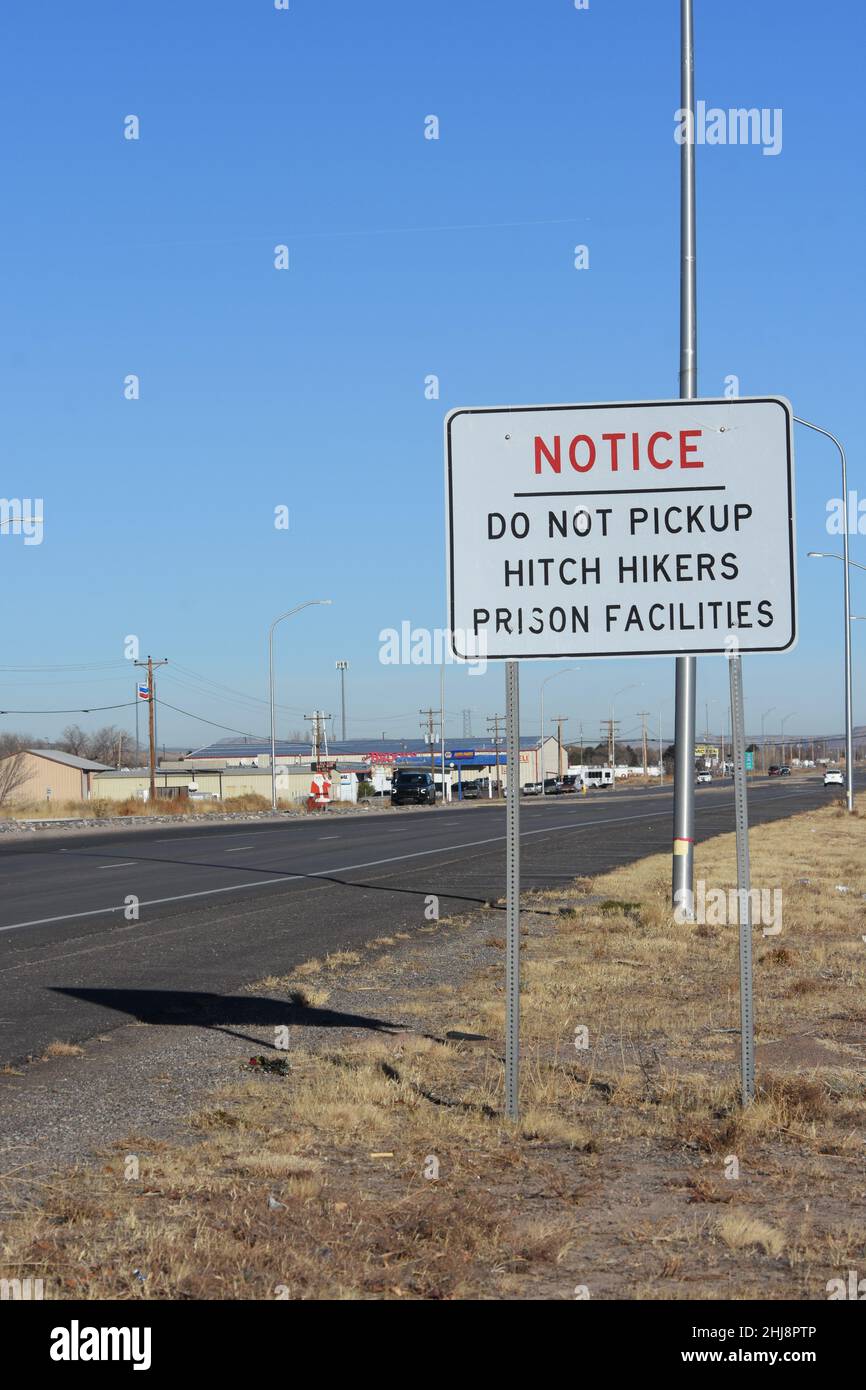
(342, 667)
(442, 729)
(512, 884)
(849, 702)
(686, 678)
(543, 754)
(309, 604)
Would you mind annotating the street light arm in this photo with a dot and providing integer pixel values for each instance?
(831, 555)
(297, 608)
(309, 603)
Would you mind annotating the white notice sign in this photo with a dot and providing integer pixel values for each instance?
(651, 529)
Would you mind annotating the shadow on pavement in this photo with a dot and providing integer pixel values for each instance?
(224, 1013)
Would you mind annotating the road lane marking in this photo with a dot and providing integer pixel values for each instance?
(128, 864)
(320, 873)
(343, 868)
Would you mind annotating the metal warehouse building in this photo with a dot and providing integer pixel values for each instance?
(476, 756)
(49, 775)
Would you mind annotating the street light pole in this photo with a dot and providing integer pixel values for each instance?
(849, 717)
(342, 667)
(309, 604)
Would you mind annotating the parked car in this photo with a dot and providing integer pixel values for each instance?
(704, 777)
(412, 788)
(471, 790)
(532, 789)
(833, 777)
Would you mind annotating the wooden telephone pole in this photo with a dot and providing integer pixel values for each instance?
(496, 720)
(559, 720)
(318, 719)
(429, 730)
(151, 727)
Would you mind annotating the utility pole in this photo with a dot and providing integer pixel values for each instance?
(495, 720)
(151, 727)
(559, 720)
(644, 715)
(342, 667)
(682, 862)
(467, 723)
(610, 727)
(319, 740)
(429, 730)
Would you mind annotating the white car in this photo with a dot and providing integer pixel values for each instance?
(704, 777)
(833, 777)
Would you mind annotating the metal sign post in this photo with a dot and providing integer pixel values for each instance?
(744, 882)
(682, 864)
(512, 882)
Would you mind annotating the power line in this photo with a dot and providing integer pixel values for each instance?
(246, 732)
(69, 666)
(94, 709)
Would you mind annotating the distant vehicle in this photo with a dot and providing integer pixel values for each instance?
(833, 777)
(532, 789)
(413, 788)
(784, 772)
(597, 778)
(774, 770)
(704, 777)
(471, 791)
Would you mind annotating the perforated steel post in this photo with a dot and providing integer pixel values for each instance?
(744, 882)
(512, 887)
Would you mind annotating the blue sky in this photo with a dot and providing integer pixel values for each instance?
(408, 257)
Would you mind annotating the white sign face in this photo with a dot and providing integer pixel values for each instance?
(663, 528)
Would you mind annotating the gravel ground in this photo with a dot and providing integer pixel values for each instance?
(144, 1079)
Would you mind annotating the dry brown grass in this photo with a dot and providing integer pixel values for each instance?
(381, 1165)
(62, 1049)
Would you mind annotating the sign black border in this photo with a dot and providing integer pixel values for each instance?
(784, 404)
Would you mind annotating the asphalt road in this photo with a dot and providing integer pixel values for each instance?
(223, 905)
